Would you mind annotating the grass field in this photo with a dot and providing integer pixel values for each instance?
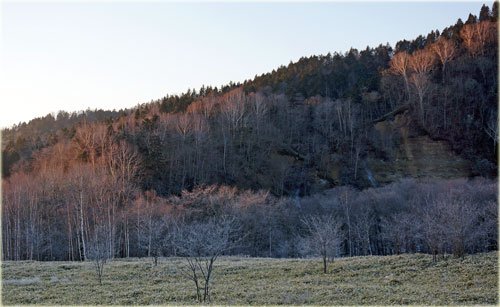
(404, 279)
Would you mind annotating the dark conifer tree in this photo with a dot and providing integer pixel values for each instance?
(471, 19)
(494, 11)
(484, 14)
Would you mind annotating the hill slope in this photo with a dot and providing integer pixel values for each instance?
(314, 124)
(341, 134)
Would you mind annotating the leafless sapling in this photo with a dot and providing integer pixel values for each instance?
(324, 236)
(201, 243)
(98, 251)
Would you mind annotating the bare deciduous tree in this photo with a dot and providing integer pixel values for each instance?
(98, 251)
(461, 219)
(152, 225)
(201, 243)
(445, 51)
(421, 63)
(365, 219)
(491, 129)
(400, 65)
(422, 85)
(475, 36)
(324, 236)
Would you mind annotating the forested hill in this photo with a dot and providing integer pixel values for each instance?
(376, 138)
(427, 108)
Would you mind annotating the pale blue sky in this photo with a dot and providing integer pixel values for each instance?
(113, 55)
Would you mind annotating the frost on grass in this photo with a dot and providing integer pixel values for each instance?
(55, 279)
(378, 280)
(22, 281)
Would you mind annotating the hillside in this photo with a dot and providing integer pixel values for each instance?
(323, 118)
(383, 280)
(387, 140)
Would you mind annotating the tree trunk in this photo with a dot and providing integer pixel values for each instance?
(150, 235)
(407, 86)
(206, 295)
(127, 239)
(82, 232)
(270, 254)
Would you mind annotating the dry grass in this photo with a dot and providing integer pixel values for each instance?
(405, 279)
